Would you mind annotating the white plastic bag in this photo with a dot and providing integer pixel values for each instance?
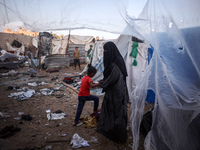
(78, 141)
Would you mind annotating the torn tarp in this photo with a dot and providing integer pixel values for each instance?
(9, 60)
(23, 94)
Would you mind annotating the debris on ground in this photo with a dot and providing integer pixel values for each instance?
(52, 70)
(55, 115)
(78, 141)
(8, 131)
(93, 140)
(37, 84)
(4, 115)
(90, 122)
(27, 117)
(23, 94)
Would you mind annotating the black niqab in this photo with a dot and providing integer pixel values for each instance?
(112, 55)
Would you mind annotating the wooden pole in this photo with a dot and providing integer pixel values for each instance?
(70, 86)
(67, 43)
(40, 52)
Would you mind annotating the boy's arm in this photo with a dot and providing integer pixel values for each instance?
(93, 84)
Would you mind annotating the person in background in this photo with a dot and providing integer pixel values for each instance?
(84, 93)
(113, 117)
(76, 56)
(89, 50)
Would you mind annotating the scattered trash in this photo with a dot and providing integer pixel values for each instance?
(48, 111)
(54, 78)
(68, 80)
(48, 147)
(90, 122)
(26, 117)
(12, 88)
(20, 113)
(64, 135)
(78, 141)
(4, 115)
(30, 72)
(79, 124)
(8, 131)
(18, 118)
(25, 93)
(58, 124)
(32, 84)
(52, 70)
(10, 73)
(47, 91)
(46, 125)
(37, 84)
(34, 63)
(93, 139)
(56, 115)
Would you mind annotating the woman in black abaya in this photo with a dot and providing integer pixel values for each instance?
(113, 118)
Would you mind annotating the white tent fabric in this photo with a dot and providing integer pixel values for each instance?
(77, 39)
(135, 73)
(59, 46)
(34, 42)
(16, 51)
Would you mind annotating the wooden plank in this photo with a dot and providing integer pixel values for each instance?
(71, 87)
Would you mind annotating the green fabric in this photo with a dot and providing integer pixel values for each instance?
(134, 53)
(134, 62)
(89, 55)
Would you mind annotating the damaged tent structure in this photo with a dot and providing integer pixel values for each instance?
(12, 55)
(171, 27)
(56, 53)
(8, 60)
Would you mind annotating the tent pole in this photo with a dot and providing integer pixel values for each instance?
(67, 43)
(40, 53)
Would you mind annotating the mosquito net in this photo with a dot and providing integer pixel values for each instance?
(171, 27)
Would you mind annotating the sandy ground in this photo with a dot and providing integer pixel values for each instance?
(39, 133)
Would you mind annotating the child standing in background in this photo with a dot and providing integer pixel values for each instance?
(84, 93)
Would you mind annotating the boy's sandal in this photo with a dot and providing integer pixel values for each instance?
(75, 123)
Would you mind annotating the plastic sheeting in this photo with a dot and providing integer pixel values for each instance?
(111, 16)
(173, 29)
(59, 45)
